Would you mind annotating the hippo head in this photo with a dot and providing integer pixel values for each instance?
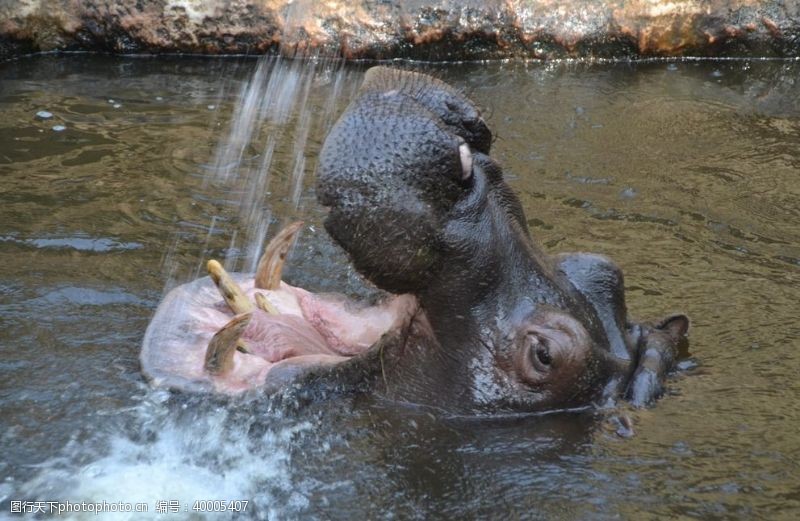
(481, 320)
(421, 208)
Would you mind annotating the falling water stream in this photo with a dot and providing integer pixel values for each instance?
(271, 112)
(684, 172)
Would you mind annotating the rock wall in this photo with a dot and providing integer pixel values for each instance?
(380, 29)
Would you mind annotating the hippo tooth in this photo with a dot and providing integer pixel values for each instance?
(270, 266)
(243, 347)
(264, 304)
(223, 345)
(466, 161)
(230, 291)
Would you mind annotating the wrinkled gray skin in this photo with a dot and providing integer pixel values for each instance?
(422, 208)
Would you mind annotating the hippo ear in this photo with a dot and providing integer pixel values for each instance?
(675, 326)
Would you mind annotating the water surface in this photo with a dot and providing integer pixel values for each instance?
(686, 173)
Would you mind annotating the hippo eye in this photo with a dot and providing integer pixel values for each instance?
(543, 355)
(540, 354)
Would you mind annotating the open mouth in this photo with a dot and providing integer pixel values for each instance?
(230, 333)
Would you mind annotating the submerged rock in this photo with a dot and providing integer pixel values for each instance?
(381, 29)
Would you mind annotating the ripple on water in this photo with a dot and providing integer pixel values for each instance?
(79, 243)
(74, 296)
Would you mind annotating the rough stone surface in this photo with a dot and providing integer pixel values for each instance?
(381, 29)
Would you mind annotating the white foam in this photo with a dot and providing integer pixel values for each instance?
(202, 454)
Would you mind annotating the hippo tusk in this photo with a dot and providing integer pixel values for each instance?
(465, 155)
(223, 345)
(263, 303)
(270, 267)
(243, 347)
(230, 291)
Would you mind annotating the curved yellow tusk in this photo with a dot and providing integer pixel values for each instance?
(270, 266)
(223, 345)
(230, 290)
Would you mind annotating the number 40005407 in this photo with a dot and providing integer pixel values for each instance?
(238, 505)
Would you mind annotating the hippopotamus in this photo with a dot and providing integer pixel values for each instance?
(475, 319)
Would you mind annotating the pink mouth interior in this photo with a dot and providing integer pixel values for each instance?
(309, 329)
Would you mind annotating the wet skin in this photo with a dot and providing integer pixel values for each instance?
(478, 319)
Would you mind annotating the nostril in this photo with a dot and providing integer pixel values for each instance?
(466, 161)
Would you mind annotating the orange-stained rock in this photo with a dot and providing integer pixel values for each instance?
(437, 30)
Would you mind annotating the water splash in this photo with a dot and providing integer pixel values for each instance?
(174, 453)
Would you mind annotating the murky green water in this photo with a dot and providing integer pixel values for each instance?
(688, 174)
